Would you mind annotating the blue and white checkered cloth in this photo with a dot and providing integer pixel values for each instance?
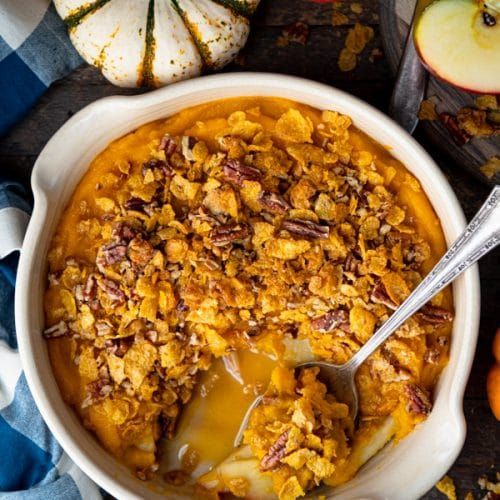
(33, 466)
(34, 52)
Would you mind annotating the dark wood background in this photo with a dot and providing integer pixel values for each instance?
(371, 81)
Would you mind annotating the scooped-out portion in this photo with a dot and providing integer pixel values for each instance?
(202, 257)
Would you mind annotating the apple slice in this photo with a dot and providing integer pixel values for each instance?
(459, 41)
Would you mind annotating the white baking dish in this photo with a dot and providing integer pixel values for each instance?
(405, 471)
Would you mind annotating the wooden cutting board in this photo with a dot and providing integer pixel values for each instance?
(395, 16)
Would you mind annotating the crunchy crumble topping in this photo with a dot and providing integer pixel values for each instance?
(210, 247)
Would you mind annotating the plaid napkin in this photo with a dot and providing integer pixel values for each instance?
(33, 464)
(34, 52)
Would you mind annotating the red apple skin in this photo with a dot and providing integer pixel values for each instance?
(435, 73)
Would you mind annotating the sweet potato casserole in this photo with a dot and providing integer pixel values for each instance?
(203, 256)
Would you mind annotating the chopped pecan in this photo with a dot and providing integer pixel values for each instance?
(111, 289)
(274, 202)
(418, 399)
(188, 143)
(114, 252)
(97, 390)
(136, 204)
(237, 172)
(58, 330)
(432, 356)
(140, 252)
(103, 328)
(305, 228)
(351, 263)
(118, 347)
(124, 232)
(451, 123)
(168, 145)
(379, 296)
(332, 320)
(78, 294)
(89, 294)
(159, 167)
(277, 451)
(230, 233)
(297, 32)
(90, 290)
(434, 315)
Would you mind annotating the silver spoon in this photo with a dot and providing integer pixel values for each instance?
(479, 237)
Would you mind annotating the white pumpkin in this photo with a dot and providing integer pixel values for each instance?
(156, 42)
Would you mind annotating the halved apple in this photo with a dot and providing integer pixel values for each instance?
(459, 41)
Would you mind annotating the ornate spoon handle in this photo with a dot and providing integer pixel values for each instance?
(479, 237)
(409, 89)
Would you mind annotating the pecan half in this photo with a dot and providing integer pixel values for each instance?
(332, 320)
(58, 330)
(111, 289)
(168, 145)
(274, 202)
(418, 399)
(89, 294)
(305, 228)
(434, 315)
(114, 252)
(237, 172)
(277, 451)
(230, 233)
(379, 296)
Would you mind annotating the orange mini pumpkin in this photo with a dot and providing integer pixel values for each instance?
(493, 380)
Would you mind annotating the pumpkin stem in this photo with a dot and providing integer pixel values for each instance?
(78, 14)
(147, 75)
(239, 7)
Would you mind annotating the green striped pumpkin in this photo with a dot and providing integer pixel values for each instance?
(155, 42)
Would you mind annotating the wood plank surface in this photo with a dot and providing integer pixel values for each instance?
(371, 81)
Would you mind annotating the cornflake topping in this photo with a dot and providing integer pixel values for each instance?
(261, 235)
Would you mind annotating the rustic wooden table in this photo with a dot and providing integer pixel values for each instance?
(371, 81)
